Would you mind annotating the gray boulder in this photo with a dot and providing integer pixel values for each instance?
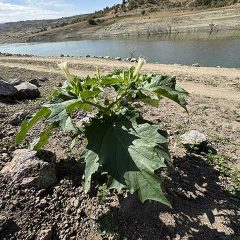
(118, 58)
(196, 65)
(193, 138)
(15, 81)
(42, 79)
(35, 82)
(27, 90)
(133, 60)
(6, 89)
(59, 84)
(29, 170)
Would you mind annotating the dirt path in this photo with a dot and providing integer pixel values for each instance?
(224, 72)
(213, 92)
(86, 66)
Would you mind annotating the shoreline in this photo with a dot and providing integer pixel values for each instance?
(187, 34)
(109, 58)
(177, 34)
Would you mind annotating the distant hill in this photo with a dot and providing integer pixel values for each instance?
(39, 25)
(134, 4)
(133, 17)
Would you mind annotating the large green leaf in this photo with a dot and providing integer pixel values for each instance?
(61, 116)
(127, 152)
(114, 78)
(89, 93)
(78, 105)
(91, 167)
(149, 132)
(58, 110)
(165, 86)
(66, 124)
(90, 82)
(27, 125)
(148, 97)
(43, 139)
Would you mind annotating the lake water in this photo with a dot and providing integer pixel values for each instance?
(210, 51)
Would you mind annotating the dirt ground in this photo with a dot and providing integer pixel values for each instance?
(202, 206)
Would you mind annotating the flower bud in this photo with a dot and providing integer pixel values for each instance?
(141, 61)
(64, 68)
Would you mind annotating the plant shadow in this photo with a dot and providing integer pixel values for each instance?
(201, 209)
(10, 229)
(70, 169)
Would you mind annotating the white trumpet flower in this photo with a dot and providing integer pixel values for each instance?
(141, 61)
(64, 68)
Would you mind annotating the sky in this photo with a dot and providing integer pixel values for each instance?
(18, 10)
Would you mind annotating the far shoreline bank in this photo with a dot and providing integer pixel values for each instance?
(189, 34)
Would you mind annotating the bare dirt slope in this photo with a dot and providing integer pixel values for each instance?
(162, 21)
(202, 209)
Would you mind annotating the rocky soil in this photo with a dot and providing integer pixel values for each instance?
(202, 209)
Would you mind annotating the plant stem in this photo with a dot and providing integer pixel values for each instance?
(96, 105)
(115, 102)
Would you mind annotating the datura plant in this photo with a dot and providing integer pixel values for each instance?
(120, 143)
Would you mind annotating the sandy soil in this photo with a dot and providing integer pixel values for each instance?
(210, 82)
(202, 208)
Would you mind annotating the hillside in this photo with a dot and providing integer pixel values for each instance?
(20, 29)
(133, 4)
(136, 17)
